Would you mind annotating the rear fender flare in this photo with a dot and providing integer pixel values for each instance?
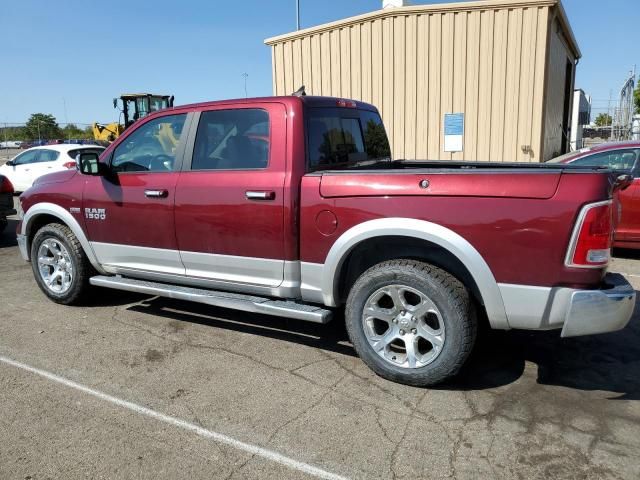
(420, 229)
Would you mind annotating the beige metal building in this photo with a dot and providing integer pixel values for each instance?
(508, 66)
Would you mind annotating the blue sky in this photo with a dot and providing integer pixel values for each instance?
(83, 53)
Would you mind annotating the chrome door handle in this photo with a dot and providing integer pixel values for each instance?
(260, 195)
(156, 193)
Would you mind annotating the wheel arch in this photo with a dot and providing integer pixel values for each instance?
(44, 213)
(390, 238)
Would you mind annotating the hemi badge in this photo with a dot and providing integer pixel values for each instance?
(74, 210)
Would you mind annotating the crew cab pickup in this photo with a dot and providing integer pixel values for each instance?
(292, 206)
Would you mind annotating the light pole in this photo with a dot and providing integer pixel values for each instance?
(245, 75)
(38, 124)
(297, 14)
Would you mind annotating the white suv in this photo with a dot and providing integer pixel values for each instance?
(24, 168)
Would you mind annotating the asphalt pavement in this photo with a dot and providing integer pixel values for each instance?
(131, 386)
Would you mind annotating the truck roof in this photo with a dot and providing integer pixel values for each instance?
(308, 100)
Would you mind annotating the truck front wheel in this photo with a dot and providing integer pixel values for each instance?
(59, 264)
(411, 322)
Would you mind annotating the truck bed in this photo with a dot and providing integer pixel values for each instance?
(444, 166)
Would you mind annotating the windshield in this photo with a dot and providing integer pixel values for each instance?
(158, 103)
(567, 157)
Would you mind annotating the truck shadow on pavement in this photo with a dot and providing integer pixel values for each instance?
(608, 362)
(330, 337)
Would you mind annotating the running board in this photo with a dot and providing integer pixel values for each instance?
(233, 301)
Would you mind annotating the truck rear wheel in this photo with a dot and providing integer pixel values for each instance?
(60, 265)
(411, 322)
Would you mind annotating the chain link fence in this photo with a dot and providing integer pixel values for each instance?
(13, 134)
(618, 119)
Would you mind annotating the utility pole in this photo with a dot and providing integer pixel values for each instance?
(245, 75)
(38, 124)
(297, 14)
(66, 119)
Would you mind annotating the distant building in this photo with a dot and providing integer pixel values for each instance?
(580, 117)
(487, 80)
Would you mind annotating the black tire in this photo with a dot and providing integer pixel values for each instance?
(456, 313)
(81, 267)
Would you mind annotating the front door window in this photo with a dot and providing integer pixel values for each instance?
(151, 147)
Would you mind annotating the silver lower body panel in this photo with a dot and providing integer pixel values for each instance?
(23, 246)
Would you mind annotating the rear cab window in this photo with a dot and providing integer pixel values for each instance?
(344, 138)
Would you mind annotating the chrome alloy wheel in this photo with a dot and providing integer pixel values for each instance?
(403, 326)
(55, 265)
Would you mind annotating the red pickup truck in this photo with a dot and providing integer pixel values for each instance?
(292, 206)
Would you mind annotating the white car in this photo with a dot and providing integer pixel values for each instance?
(24, 168)
(11, 144)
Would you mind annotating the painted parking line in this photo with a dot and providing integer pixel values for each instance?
(176, 422)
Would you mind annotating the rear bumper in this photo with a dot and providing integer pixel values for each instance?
(600, 311)
(576, 312)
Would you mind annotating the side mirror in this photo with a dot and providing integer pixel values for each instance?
(89, 164)
(10, 163)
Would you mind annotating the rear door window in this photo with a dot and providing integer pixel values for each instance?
(342, 139)
(232, 140)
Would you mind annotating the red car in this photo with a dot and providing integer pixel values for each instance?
(6, 202)
(192, 203)
(623, 156)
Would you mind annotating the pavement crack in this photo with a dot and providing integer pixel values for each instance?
(304, 411)
(396, 450)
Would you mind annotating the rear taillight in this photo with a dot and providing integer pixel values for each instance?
(69, 165)
(5, 185)
(590, 245)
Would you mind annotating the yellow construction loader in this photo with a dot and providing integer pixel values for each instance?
(133, 106)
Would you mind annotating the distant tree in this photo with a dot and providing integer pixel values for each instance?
(44, 126)
(603, 120)
(13, 133)
(636, 97)
(73, 131)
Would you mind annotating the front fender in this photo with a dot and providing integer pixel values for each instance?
(65, 217)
